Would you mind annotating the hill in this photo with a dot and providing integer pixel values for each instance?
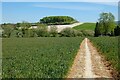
(85, 26)
(58, 20)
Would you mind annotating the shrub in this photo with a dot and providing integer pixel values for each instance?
(7, 30)
(53, 31)
(87, 32)
(68, 32)
(42, 32)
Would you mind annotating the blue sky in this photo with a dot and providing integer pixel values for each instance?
(13, 12)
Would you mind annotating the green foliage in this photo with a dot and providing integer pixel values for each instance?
(109, 48)
(53, 31)
(7, 30)
(117, 31)
(87, 33)
(85, 26)
(106, 23)
(42, 32)
(41, 25)
(97, 30)
(14, 33)
(85, 29)
(1, 31)
(24, 28)
(31, 33)
(38, 57)
(52, 20)
(68, 32)
(18, 25)
(24, 25)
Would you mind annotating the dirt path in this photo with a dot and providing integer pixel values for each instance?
(61, 27)
(88, 63)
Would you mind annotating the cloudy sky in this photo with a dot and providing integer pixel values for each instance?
(16, 11)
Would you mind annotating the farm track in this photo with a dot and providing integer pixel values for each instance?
(88, 63)
(61, 27)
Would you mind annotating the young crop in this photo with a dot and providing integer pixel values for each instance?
(38, 57)
(108, 47)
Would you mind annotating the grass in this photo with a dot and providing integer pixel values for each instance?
(38, 57)
(109, 48)
(85, 26)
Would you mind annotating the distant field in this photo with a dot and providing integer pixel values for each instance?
(85, 26)
(38, 57)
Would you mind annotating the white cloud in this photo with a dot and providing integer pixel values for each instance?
(68, 7)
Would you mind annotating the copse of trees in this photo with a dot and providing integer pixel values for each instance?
(105, 25)
(57, 20)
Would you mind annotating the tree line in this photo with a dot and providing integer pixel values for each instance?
(58, 20)
(106, 26)
(24, 30)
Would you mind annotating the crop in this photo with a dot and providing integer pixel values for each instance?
(85, 26)
(38, 57)
(108, 46)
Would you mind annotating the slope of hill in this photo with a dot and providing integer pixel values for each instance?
(61, 27)
(85, 26)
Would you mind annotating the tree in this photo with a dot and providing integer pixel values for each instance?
(106, 23)
(117, 31)
(97, 30)
(56, 20)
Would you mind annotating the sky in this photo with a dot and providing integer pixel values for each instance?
(59, 0)
(13, 12)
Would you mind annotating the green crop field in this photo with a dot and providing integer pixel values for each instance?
(85, 26)
(38, 57)
(108, 46)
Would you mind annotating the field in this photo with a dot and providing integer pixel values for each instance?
(38, 57)
(50, 57)
(108, 46)
(85, 26)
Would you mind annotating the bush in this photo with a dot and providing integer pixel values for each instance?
(68, 32)
(31, 33)
(7, 30)
(14, 33)
(53, 31)
(42, 32)
(87, 32)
